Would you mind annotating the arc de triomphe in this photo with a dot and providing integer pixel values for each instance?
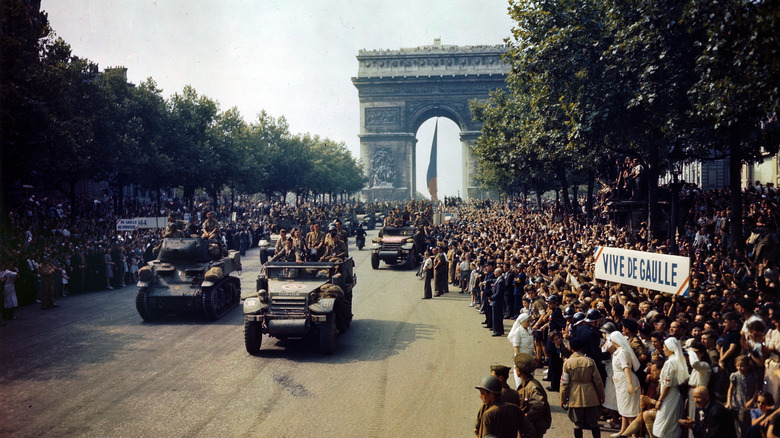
(401, 89)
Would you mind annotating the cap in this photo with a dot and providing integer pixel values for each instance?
(490, 384)
(525, 363)
(500, 370)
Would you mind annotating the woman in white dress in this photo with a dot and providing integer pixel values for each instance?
(610, 398)
(627, 389)
(10, 302)
(669, 404)
(701, 372)
(772, 355)
(520, 337)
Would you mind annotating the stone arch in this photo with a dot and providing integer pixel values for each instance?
(401, 89)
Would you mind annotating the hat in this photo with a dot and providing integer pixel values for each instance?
(500, 370)
(525, 363)
(593, 315)
(523, 317)
(490, 384)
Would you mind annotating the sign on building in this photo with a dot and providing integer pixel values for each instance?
(661, 272)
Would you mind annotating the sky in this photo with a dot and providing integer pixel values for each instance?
(291, 58)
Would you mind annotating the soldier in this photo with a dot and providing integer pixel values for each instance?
(496, 418)
(342, 233)
(173, 230)
(210, 227)
(335, 248)
(533, 398)
(315, 241)
(582, 390)
(508, 395)
(46, 271)
(289, 253)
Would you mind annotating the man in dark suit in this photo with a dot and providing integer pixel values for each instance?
(497, 303)
(712, 420)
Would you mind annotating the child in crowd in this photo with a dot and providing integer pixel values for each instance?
(743, 390)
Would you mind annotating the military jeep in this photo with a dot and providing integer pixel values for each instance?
(396, 246)
(298, 300)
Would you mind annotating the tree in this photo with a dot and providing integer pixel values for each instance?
(191, 143)
(736, 95)
(22, 27)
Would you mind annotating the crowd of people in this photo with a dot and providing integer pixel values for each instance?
(663, 362)
(636, 360)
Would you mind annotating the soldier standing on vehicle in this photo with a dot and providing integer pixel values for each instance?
(342, 234)
(210, 227)
(315, 241)
(335, 248)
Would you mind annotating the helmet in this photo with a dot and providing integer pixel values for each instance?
(608, 327)
(578, 317)
(332, 227)
(568, 312)
(593, 315)
(490, 384)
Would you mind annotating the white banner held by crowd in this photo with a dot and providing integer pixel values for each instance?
(141, 222)
(661, 272)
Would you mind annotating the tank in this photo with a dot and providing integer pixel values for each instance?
(189, 274)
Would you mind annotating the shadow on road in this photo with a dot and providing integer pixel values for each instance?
(368, 340)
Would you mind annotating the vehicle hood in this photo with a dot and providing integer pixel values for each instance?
(393, 239)
(292, 287)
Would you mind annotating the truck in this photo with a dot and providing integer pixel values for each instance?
(395, 246)
(297, 300)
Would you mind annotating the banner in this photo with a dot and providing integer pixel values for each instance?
(661, 272)
(141, 222)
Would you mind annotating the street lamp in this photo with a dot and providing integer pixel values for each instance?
(676, 160)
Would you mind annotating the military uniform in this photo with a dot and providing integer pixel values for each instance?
(210, 228)
(533, 398)
(313, 241)
(583, 390)
(502, 420)
(287, 255)
(335, 248)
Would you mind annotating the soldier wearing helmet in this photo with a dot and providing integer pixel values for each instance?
(496, 418)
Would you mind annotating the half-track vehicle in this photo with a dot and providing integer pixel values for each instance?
(189, 274)
(298, 300)
(396, 246)
(267, 247)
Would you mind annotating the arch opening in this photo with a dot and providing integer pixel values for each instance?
(449, 158)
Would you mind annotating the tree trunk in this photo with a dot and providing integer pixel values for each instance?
(564, 189)
(589, 200)
(72, 198)
(735, 197)
(653, 209)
